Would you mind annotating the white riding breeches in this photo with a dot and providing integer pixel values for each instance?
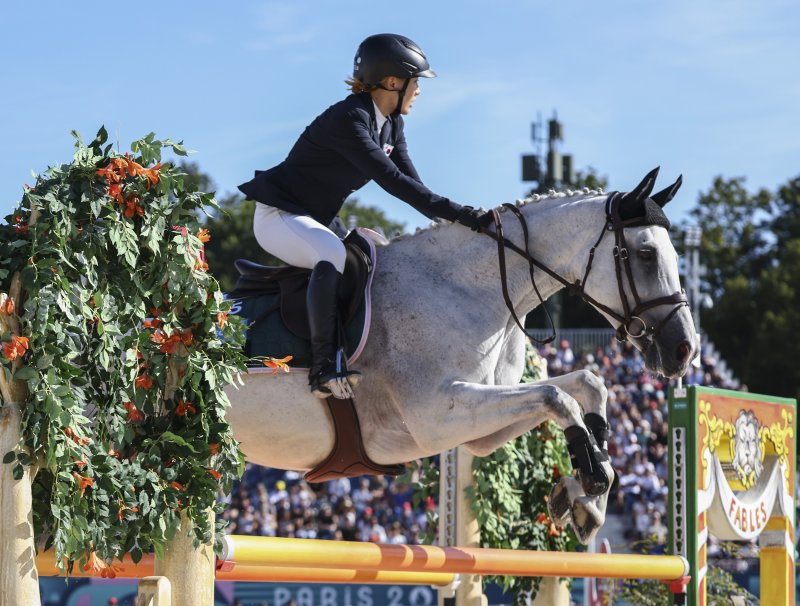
(297, 239)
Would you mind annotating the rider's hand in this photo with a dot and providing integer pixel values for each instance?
(474, 219)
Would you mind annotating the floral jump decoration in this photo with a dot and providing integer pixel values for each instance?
(124, 343)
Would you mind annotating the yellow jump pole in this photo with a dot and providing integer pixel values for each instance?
(312, 553)
(46, 565)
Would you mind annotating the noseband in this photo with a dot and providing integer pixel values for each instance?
(631, 324)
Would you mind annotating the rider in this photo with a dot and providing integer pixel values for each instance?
(352, 142)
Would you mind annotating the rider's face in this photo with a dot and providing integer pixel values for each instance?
(411, 94)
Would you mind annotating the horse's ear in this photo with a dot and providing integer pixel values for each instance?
(642, 191)
(666, 194)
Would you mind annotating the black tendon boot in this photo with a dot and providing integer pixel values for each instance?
(328, 374)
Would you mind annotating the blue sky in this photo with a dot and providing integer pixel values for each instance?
(699, 88)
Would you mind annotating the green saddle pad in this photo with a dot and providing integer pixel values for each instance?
(268, 336)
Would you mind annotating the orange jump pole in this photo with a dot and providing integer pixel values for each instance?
(283, 574)
(312, 553)
(46, 566)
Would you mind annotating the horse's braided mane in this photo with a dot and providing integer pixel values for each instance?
(532, 199)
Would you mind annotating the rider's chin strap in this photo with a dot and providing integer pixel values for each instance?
(400, 94)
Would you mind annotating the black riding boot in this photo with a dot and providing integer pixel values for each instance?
(328, 374)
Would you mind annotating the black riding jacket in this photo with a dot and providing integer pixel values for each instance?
(337, 154)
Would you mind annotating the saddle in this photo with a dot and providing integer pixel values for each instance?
(272, 299)
(290, 284)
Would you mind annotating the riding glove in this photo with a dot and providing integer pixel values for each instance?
(474, 219)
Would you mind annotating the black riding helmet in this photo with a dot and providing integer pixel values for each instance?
(384, 55)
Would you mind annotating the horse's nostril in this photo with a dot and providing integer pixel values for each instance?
(684, 351)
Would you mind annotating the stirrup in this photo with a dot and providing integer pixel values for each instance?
(337, 384)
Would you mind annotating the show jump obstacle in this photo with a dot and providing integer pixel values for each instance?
(733, 477)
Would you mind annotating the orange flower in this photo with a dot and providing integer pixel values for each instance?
(542, 519)
(222, 318)
(132, 207)
(154, 323)
(151, 174)
(115, 192)
(15, 348)
(123, 507)
(98, 567)
(214, 474)
(79, 464)
(553, 530)
(278, 365)
(134, 414)
(155, 312)
(187, 337)
(20, 227)
(84, 481)
(185, 407)
(200, 265)
(113, 453)
(214, 448)
(144, 381)
(203, 235)
(177, 486)
(8, 307)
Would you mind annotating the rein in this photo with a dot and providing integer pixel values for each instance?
(631, 323)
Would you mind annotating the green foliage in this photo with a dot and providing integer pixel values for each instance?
(130, 351)
(720, 586)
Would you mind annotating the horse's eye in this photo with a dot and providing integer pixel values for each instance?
(647, 254)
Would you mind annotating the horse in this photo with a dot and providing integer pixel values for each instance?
(444, 358)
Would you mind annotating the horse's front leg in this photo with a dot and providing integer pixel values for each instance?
(567, 501)
(483, 414)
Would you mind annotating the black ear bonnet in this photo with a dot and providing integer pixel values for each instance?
(638, 207)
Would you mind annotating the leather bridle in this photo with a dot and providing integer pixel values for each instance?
(631, 324)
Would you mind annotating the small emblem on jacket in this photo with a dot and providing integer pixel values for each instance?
(388, 148)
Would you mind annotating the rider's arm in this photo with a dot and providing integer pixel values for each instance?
(354, 141)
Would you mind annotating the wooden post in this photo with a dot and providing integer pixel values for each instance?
(457, 524)
(190, 571)
(154, 591)
(19, 582)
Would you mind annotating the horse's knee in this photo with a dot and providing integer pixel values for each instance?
(563, 408)
(594, 386)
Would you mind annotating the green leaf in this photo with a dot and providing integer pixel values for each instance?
(9, 457)
(25, 373)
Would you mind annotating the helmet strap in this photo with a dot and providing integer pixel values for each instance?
(400, 94)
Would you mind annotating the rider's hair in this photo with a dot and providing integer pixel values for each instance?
(356, 86)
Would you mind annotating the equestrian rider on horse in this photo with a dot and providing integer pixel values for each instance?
(352, 142)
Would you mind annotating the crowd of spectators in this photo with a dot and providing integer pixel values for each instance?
(637, 415)
(271, 502)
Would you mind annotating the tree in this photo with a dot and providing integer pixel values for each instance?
(232, 234)
(751, 247)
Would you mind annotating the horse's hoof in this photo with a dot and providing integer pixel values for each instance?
(562, 496)
(558, 504)
(586, 518)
